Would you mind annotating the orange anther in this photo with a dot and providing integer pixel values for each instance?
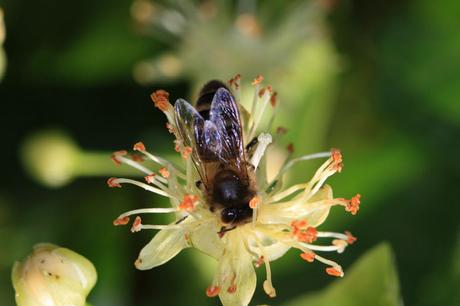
(350, 238)
(136, 227)
(150, 178)
(121, 221)
(113, 182)
(337, 160)
(139, 146)
(117, 154)
(188, 203)
(290, 148)
(254, 202)
(273, 99)
(212, 291)
(164, 172)
(177, 145)
(160, 99)
(261, 92)
(232, 289)
(137, 158)
(186, 152)
(281, 130)
(259, 78)
(299, 224)
(334, 272)
(235, 81)
(353, 204)
(170, 128)
(309, 235)
(259, 261)
(310, 256)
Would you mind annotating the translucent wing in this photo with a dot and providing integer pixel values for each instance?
(216, 143)
(225, 116)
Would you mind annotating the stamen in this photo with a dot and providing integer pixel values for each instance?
(212, 291)
(115, 156)
(353, 205)
(164, 172)
(281, 130)
(290, 148)
(259, 262)
(160, 99)
(139, 146)
(263, 141)
(350, 238)
(308, 256)
(155, 210)
(259, 78)
(188, 203)
(137, 225)
(273, 99)
(121, 221)
(113, 182)
(150, 178)
(334, 271)
(254, 202)
(146, 187)
(337, 159)
(133, 164)
(186, 152)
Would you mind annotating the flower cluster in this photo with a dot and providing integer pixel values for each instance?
(283, 218)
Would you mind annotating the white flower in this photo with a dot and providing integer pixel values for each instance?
(283, 218)
(53, 276)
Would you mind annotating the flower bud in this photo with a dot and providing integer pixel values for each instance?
(53, 276)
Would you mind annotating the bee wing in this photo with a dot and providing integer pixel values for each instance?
(202, 136)
(225, 117)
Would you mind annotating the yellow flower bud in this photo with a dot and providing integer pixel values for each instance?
(53, 276)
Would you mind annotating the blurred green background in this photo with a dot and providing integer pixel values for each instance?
(378, 79)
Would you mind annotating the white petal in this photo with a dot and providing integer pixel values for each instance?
(205, 238)
(236, 268)
(166, 244)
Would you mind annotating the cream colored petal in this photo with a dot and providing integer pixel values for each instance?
(236, 269)
(205, 238)
(272, 249)
(318, 216)
(166, 244)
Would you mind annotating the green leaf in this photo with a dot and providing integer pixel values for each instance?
(372, 280)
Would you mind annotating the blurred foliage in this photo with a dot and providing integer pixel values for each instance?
(372, 280)
(378, 80)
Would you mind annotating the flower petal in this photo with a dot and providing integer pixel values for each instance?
(205, 238)
(166, 244)
(236, 274)
(318, 216)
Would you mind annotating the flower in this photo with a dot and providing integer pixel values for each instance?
(53, 276)
(282, 218)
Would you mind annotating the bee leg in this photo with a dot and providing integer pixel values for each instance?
(225, 229)
(251, 144)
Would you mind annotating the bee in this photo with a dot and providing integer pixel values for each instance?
(214, 132)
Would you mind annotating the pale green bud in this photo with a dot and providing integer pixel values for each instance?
(53, 276)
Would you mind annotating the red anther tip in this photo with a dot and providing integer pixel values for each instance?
(112, 182)
(290, 148)
(259, 78)
(139, 146)
(136, 224)
(121, 221)
(186, 152)
(281, 130)
(188, 203)
(170, 128)
(350, 238)
(259, 261)
(273, 99)
(334, 272)
(117, 154)
(232, 289)
(160, 99)
(254, 202)
(164, 172)
(137, 158)
(310, 257)
(353, 204)
(150, 178)
(261, 92)
(212, 291)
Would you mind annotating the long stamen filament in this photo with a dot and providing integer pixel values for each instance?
(145, 186)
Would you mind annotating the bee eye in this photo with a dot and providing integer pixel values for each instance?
(229, 215)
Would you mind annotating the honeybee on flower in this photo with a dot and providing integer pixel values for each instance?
(224, 203)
